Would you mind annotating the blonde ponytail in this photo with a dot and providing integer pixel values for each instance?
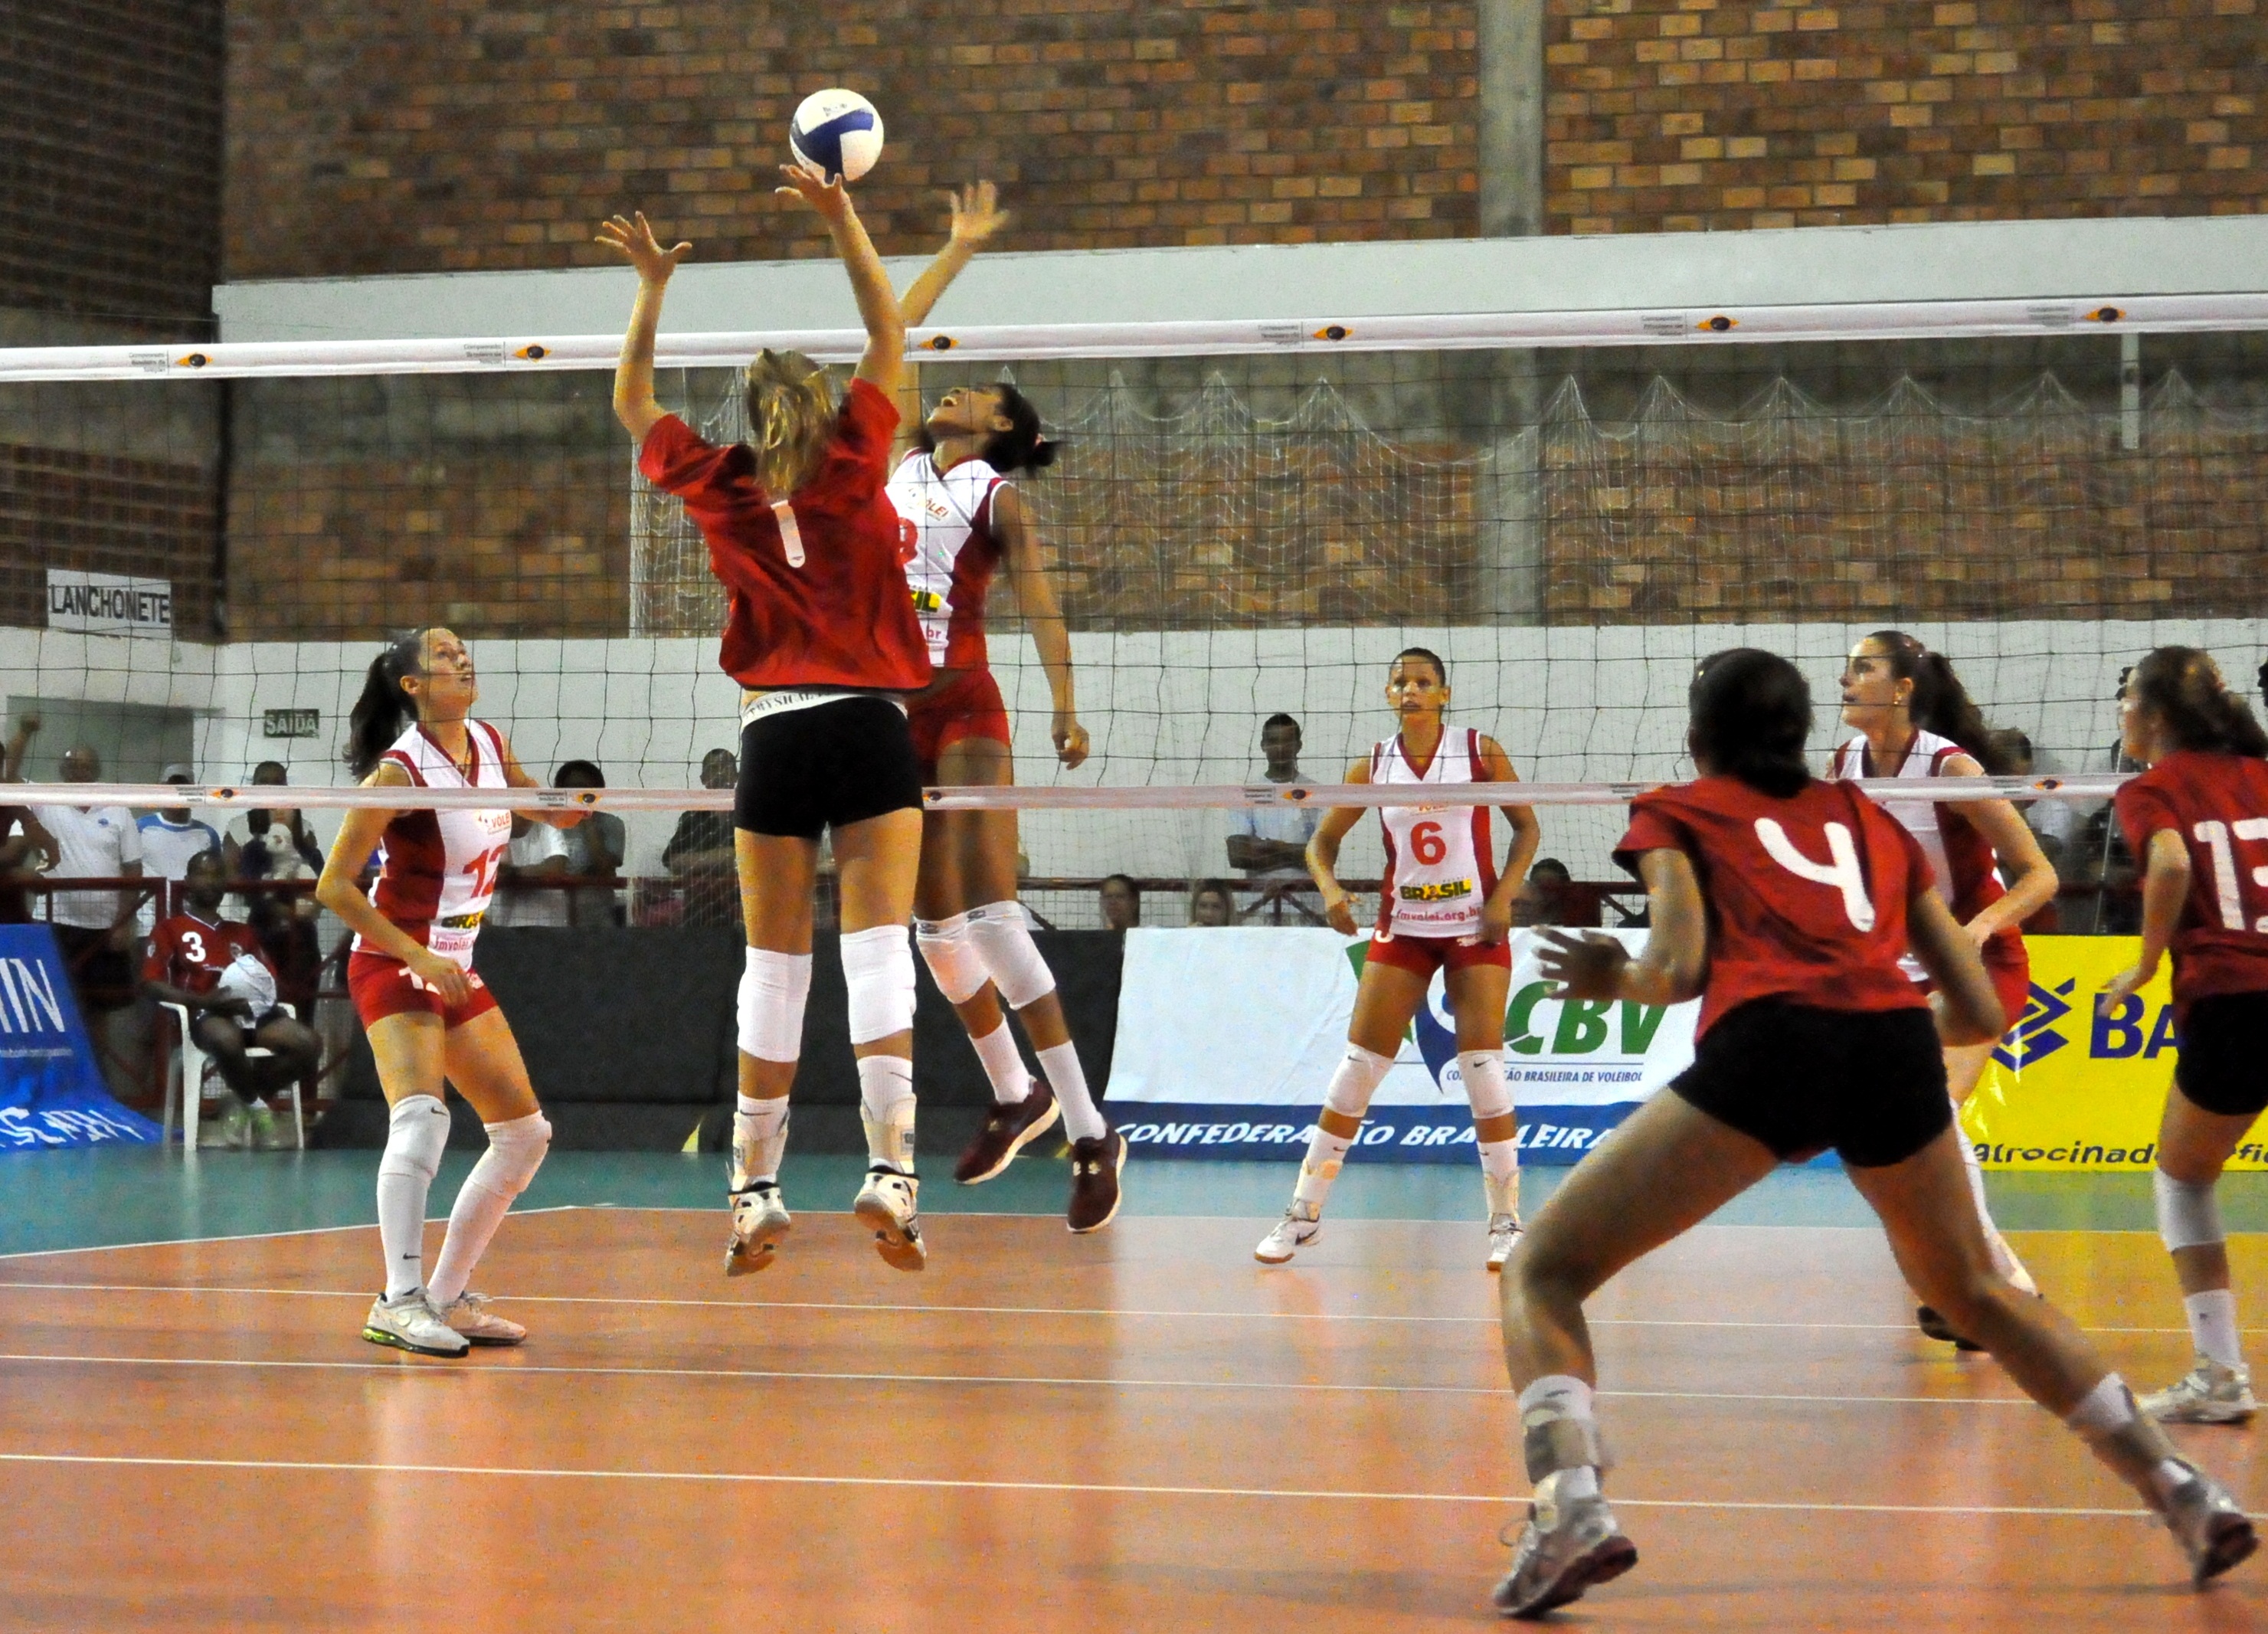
(790, 416)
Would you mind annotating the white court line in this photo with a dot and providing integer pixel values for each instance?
(1106, 1312)
(247, 1236)
(822, 1376)
(938, 1483)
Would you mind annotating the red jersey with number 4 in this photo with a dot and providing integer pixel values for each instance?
(1807, 895)
(2218, 803)
(815, 587)
(189, 952)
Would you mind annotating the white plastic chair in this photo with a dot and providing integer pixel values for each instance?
(188, 1078)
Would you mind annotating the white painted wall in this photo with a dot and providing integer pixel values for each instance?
(1165, 708)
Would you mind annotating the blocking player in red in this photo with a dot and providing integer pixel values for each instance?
(1810, 1037)
(819, 631)
(215, 969)
(2198, 819)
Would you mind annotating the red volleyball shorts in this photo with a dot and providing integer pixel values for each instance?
(968, 706)
(383, 987)
(2009, 968)
(1422, 955)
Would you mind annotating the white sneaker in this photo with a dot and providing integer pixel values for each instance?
(886, 1205)
(469, 1314)
(2209, 1394)
(1504, 1230)
(409, 1323)
(1301, 1225)
(760, 1223)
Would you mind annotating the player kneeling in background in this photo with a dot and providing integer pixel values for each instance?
(215, 969)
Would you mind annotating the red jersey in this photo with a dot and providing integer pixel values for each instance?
(189, 952)
(1807, 895)
(815, 587)
(2218, 803)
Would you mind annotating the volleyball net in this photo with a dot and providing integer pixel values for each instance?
(1243, 521)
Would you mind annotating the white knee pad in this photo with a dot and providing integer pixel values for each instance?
(2189, 1216)
(516, 1149)
(1012, 959)
(952, 957)
(773, 990)
(878, 969)
(1484, 1084)
(417, 1129)
(1356, 1080)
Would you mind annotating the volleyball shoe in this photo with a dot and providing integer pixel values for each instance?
(2209, 1394)
(887, 1205)
(760, 1224)
(1301, 1225)
(469, 1314)
(408, 1322)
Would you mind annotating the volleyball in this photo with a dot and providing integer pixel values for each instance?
(835, 133)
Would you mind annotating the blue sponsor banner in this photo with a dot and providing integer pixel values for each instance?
(1443, 1134)
(51, 1092)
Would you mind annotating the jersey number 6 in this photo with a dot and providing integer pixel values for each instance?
(1427, 843)
(1841, 870)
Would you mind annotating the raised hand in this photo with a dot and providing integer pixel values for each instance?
(977, 213)
(631, 237)
(831, 198)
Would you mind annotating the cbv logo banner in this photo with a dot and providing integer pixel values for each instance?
(51, 1095)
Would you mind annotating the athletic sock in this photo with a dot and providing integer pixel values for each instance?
(1082, 1118)
(1557, 1398)
(885, 1106)
(2134, 1446)
(2212, 1326)
(2004, 1257)
(1003, 1065)
(1500, 1176)
(1325, 1153)
(516, 1149)
(417, 1129)
(758, 1138)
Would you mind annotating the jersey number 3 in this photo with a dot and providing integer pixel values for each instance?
(2228, 883)
(1841, 869)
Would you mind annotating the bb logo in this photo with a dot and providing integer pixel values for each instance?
(2034, 1037)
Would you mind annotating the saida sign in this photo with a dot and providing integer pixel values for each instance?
(2071, 1087)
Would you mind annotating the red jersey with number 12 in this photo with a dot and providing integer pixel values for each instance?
(1807, 895)
(189, 952)
(2218, 803)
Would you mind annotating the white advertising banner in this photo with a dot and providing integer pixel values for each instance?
(1227, 1037)
(103, 604)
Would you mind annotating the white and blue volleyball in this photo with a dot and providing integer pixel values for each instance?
(835, 133)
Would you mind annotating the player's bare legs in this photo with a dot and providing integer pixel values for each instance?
(2193, 1147)
(979, 950)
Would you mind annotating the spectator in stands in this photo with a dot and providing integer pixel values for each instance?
(699, 855)
(170, 840)
(273, 843)
(528, 881)
(1268, 844)
(1544, 896)
(595, 849)
(95, 929)
(22, 841)
(1122, 903)
(215, 968)
(1212, 905)
(2052, 822)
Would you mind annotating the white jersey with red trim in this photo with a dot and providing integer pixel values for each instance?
(1440, 861)
(1964, 870)
(949, 551)
(438, 869)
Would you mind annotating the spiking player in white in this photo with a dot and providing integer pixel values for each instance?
(429, 1018)
(965, 521)
(1442, 906)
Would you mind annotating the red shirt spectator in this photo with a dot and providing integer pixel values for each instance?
(189, 951)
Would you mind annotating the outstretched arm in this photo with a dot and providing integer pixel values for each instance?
(635, 405)
(884, 363)
(1675, 963)
(976, 216)
(1043, 615)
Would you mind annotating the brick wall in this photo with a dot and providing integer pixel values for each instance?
(460, 134)
(1670, 115)
(109, 175)
(105, 512)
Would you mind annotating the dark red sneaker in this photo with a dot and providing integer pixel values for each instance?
(1007, 1130)
(1094, 1166)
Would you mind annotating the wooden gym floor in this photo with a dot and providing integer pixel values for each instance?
(1138, 1430)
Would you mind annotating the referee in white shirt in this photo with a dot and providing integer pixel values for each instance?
(1268, 844)
(95, 929)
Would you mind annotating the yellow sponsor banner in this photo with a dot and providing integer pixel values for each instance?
(2069, 1088)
